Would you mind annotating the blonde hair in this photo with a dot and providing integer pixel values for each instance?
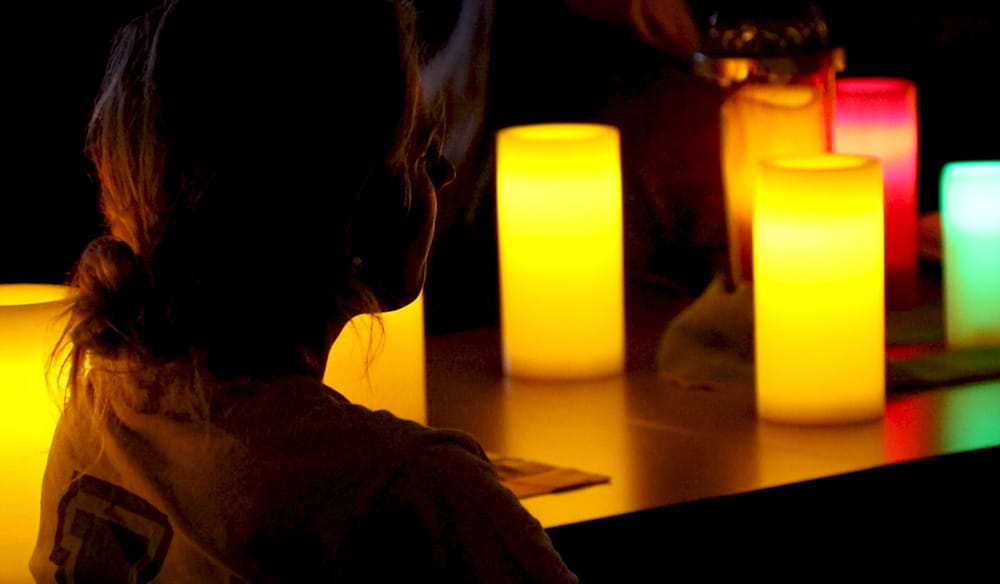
(241, 153)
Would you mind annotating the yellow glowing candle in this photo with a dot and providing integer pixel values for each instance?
(819, 284)
(878, 116)
(970, 233)
(382, 366)
(29, 328)
(759, 121)
(559, 223)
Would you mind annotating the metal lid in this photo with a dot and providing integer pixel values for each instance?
(766, 40)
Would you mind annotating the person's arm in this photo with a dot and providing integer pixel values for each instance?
(665, 24)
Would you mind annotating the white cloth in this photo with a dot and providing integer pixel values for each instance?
(711, 343)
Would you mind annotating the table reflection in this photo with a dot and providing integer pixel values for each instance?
(664, 443)
(580, 425)
(950, 420)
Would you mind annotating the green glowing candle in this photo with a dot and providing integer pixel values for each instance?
(970, 231)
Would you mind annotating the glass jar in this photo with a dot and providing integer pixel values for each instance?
(776, 67)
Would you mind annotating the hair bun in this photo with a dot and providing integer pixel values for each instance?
(112, 288)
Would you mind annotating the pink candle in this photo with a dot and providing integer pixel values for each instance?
(877, 116)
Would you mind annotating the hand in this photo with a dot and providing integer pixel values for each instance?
(667, 25)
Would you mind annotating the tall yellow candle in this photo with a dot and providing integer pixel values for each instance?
(29, 329)
(759, 121)
(559, 229)
(819, 283)
(382, 365)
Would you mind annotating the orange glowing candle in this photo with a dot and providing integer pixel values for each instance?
(559, 224)
(382, 365)
(819, 304)
(877, 116)
(29, 328)
(759, 121)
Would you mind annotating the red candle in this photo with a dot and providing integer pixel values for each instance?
(877, 116)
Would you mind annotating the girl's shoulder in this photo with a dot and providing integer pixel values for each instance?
(301, 414)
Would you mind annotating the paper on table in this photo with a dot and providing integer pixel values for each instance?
(527, 478)
(918, 356)
(944, 368)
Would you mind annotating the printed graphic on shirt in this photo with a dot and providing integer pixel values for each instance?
(108, 534)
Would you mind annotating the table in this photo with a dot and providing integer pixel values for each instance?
(679, 457)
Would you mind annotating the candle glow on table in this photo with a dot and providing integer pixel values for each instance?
(877, 116)
(383, 367)
(970, 234)
(29, 328)
(819, 305)
(559, 226)
(756, 122)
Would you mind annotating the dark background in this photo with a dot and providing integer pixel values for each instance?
(52, 60)
(551, 64)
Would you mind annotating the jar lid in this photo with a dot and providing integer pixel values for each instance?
(770, 41)
(730, 70)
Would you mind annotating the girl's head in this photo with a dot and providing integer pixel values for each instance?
(264, 175)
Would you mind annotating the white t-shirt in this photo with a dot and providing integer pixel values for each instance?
(288, 482)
